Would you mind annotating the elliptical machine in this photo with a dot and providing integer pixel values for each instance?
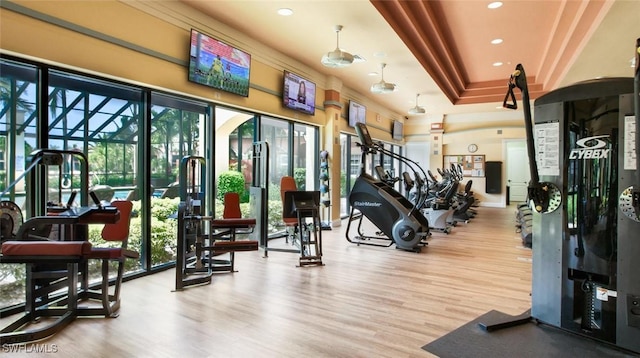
(397, 218)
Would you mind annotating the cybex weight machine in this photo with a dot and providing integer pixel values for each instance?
(586, 199)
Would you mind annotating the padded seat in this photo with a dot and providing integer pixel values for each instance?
(226, 230)
(288, 183)
(44, 248)
(115, 232)
(220, 247)
(233, 223)
(51, 266)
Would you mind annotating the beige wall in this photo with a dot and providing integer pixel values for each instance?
(491, 144)
(132, 42)
(144, 42)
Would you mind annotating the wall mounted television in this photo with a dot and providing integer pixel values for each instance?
(299, 93)
(216, 64)
(357, 113)
(397, 133)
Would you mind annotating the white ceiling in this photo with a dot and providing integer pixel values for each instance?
(441, 49)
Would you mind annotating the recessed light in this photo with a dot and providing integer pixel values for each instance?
(494, 5)
(497, 64)
(285, 11)
(372, 73)
(496, 41)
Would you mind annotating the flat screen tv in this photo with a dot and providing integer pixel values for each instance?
(357, 113)
(398, 130)
(215, 64)
(299, 93)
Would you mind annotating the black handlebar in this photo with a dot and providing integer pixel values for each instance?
(538, 192)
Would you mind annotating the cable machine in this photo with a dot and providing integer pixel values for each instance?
(585, 245)
(301, 205)
(201, 237)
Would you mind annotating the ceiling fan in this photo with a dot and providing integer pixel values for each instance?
(417, 109)
(382, 86)
(339, 58)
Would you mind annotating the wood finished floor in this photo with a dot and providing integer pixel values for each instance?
(365, 302)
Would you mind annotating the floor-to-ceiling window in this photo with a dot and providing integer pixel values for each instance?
(134, 139)
(102, 120)
(240, 147)
(351, 156)
(233, 172)
(305, 156)
(107, 123)
(293, 151)
(177, 130)
(19, 102)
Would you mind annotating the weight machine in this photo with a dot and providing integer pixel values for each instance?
(201, 237)
(586, 209)
(301, 205)
(398, 219)
(53, 245)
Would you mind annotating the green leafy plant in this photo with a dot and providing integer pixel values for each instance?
(230, 182)
(300, 177)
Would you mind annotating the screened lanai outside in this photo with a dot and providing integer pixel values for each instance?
(102, 120)
(127, 159)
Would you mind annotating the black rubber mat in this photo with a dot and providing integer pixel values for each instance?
(525, 340)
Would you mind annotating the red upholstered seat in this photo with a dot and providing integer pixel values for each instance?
(288, 183)
(231, 206)
(231, 215)
(46, 248)
(232, 223)
(116, 232)
(49, 265)
(226, 229)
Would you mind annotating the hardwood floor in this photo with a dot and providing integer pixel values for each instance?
(365, 302)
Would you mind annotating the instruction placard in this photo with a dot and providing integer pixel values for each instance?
(547, 141)
(629, 143)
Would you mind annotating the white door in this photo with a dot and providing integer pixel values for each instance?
(419, 153)
(518, 175)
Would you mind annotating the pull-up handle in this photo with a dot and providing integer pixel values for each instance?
(510, 95)
(537, 192)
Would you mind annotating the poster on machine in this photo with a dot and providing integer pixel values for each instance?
(629, 143)
(547, 146)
